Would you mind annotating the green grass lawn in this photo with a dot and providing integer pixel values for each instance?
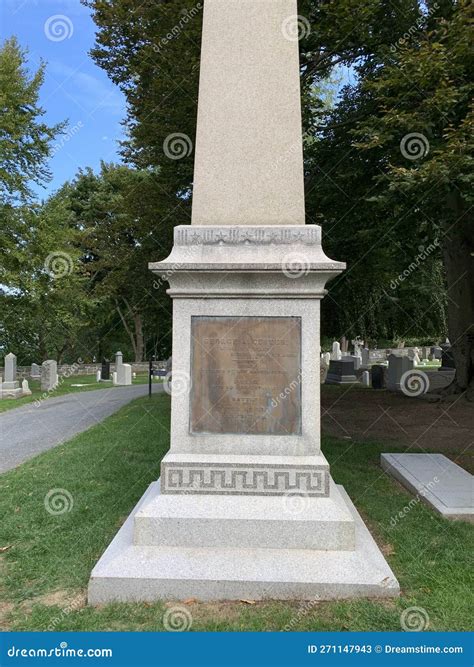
(65, 386)
(45, 560)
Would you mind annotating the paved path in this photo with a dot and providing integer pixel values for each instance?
(29, 430)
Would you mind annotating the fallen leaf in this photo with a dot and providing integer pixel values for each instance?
(248, 601)
(3, 549)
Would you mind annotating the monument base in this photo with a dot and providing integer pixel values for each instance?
(177, 547)
(12, 390)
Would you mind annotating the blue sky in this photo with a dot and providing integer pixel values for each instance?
(61, 32)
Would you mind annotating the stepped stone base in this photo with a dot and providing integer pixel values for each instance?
(176, 547)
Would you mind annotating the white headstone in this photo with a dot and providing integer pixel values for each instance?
(114, 377)
(10, 367)
(325, 359)
(336, 351)
(123, 374)
(97, 376)
(49, 375)
(365, 379)
(35, 371)
(11, 386)
(25, 389)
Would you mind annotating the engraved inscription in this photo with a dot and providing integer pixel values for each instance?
(246, 374)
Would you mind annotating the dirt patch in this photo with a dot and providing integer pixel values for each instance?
(68, 601)
(356, 413)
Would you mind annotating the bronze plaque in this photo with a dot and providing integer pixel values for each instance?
(246, 375)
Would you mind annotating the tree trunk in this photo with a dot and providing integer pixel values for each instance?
(458, 258)
(136, 336)
(139, 343)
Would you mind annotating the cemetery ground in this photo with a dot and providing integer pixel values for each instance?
(65, 386)
(46, 557)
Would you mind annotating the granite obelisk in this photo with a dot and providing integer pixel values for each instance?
(245, 506)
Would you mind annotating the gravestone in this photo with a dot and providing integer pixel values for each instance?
(326, 359)
(356, 359)
(365, 355)
(97, 376)
(336, 353)
(123, 372)
(341, 372)
(245, 395)
(397, 366)
(436, 481)
(377, 376)
(365, 378)
(25, 389)
(49, 375)
(105, 370)
(35, 371)
(437, 352)
(10, 387)
(447, 358)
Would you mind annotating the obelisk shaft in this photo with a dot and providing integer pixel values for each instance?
(249, 157)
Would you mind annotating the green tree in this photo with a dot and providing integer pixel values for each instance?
(424, 124)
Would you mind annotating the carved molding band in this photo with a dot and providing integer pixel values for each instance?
(209, 479)
(306, 235)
